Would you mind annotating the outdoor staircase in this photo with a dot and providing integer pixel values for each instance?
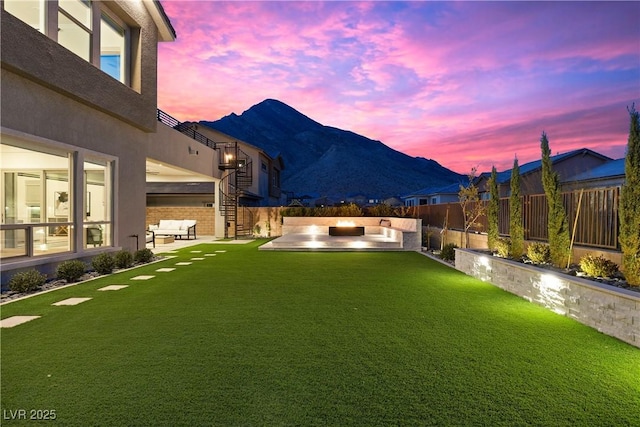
(238, 219)
(239, 177)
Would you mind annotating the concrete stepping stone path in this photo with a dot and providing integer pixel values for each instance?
(165, 270)
(12, 321)
(113, 287)
(71, 301)
(143, 277)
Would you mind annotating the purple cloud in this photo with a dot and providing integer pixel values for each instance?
(465, 83)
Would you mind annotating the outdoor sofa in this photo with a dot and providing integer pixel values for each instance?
(177, 228)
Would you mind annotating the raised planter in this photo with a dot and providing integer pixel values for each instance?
(610, 310)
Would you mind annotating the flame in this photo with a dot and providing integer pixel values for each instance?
(345, 224)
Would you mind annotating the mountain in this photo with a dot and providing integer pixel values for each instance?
(326, 161)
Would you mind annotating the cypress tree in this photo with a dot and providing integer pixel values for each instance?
(557, 222)
(493, 210)
(629, 210)
(516, 231)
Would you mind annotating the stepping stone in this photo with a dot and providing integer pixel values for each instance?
(142, 277)
(170, 252)
(221, 252)
(196, 252)
(165, 270)
(172, 256)
(197, 259)
(184, 263)
(12, 321)
(71, 301)
(113, 287)
(210, 254)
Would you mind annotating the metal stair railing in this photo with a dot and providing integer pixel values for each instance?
(231, 187)
(184, 128)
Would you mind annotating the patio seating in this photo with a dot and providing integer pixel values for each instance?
(151, 237)
(176, 228)
(94, 236)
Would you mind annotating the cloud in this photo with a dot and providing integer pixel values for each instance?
(464, 83)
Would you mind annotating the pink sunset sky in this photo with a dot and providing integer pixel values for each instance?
(468, 84)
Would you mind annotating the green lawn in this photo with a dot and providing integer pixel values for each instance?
(249, 338)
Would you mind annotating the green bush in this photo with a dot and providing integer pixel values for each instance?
(27, 281)
(598, 266)
(539, 253)
(503, 247)
(448, 252)
(382, 209)
(71, 270)
(123, 259)
(143, 256)
(103, 263)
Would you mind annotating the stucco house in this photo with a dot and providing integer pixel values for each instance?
(566, 165)
(433, 195)
(79, 127)
(609, 174)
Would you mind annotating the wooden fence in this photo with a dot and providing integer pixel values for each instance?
(597, 224)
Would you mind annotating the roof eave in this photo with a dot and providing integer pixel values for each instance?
(165, 30)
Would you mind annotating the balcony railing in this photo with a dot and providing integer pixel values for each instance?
(174, 123)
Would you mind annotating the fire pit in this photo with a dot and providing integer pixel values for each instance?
(346, 228)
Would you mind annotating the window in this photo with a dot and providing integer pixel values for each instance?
(28, 11)
(97, 203)
(75, 30)
(112, 48)
(276, 178)
(37, 201)
(74, 27)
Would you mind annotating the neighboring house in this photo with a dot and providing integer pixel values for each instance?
(433, 195)
(610, 174)
(565, 164)
(78, 110)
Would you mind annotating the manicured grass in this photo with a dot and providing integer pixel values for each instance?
(272, 338)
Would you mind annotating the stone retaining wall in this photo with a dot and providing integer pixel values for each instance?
(612, 311)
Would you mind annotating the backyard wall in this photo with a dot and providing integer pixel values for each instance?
(479, 241)
(406, 231)
(205, 217)
(268, 220)
(612, 311)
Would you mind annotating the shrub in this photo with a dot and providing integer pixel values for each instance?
(123, 259)
(143, 256)
(103, 263)
(70, 270)
(448, 252)
(382, 209)
(27, 281)
(539, 253)
(503, 247)
(598, 266)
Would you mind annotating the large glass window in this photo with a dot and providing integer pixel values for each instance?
(36, 200)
